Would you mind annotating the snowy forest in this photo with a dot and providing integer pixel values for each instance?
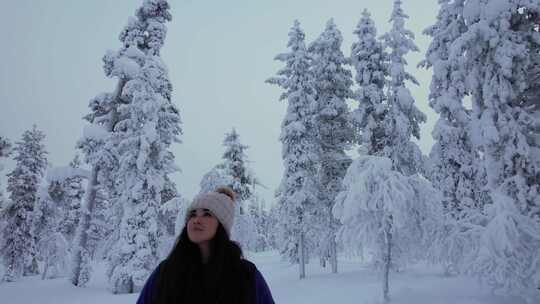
(355, 183)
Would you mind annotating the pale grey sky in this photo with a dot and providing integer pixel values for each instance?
(218, 53)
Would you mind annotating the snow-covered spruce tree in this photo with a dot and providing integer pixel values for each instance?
(71, 202)
(235, 164)
(148, 124)
(99, 154)
(298, 191)
(52, 208)
(272, 228)
(497, 53)
(259, 217)
(18, 245)
(142, 37)
(243, 182)
(5, 151)
(332, 83)
(5, 147)
(386, 213)
(167, 214)
(454, 161)
(171, 212)
(244, 230)
(452, 155)
(403, 118)
(369, 61)
(180, 205)
(52, 247)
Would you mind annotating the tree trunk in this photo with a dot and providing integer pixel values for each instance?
(32, 267)
(333, 255)
(302, 256)
(81, 238)
(387, 256)
(80, 258)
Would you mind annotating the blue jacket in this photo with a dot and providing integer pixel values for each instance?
(262, 292)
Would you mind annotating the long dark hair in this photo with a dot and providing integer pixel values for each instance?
(184, 279)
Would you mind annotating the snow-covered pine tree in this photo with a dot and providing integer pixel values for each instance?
(5, 151)
(332, 83)
(369, 61)
(235, 164)
(168, 212)
(259, 216)
(141, 38)
(244, 230)
(454, 161)
(167, 215)
(54, 197)
(386, 213)
(298, 191)
(243, 182)
(99, 153)
(148, 124)
(71, 203)
(452, 156)
(52, 246)
(272, 228)
(18, 245)
(5, 147)
(181, 206)
(497, 52)
(403, 118)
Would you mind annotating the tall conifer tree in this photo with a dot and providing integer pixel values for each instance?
(297, 193)
(403, 118)
(235, 164)
(148, 124)
(497, 53)
(5, 151)
(18, 245)
(137, 116)
(454, 166)
(332, 83)
(368, 59)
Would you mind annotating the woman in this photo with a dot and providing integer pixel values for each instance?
(205, 266)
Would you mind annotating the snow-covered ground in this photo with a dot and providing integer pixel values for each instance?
(354, 284)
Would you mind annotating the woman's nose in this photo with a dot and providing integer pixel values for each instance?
(197, 217)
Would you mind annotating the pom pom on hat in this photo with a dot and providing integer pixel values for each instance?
(227, 191)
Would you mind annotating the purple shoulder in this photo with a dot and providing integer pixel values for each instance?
(147, 293)
(262, 291)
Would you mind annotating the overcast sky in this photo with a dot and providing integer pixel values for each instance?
(218, 53)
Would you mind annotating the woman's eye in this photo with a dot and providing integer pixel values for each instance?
(191, 214)
(207, 214)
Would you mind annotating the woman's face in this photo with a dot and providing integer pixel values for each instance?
(201, 226)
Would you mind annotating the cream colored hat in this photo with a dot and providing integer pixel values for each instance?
(220, 202)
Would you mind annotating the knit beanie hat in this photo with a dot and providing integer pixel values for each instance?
(220, 202)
